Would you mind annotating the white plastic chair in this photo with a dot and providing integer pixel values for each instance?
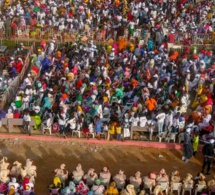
(180, 137)
(148, 185)
(44, 128)
(172, 136)
(88, 133)
(199, 188)
(188, 189)
(49, 128)
(165, 186)
(54, 191)
(77, 131)
(161, 135)
(176, 187)
(103, 134)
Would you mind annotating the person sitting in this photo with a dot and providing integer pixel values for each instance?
(27, 185)
(136, 181)
(207, 130)
(150, 178)
(98, 188)
(211, 183)
(72, 124)
(82, 188)
(205, 122)
(175, 177)
(90, 177)
(120, 180)
(78, 174)
(69, 190)
(13, 185)
(105, 176)
(162, 176)
(9, 114)
(112, 190)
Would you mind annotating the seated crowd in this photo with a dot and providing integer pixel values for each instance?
(80, 87)
(11, 64)
(16, 180)
(105, 183)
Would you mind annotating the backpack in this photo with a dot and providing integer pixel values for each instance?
(208, 150)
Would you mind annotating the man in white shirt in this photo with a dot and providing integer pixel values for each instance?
(160, 121)
(72, 124)
(168, 121)
(143, 121)
(62, 123)
(205, 121)
(176, 123)
(26, 122)
(134, 120)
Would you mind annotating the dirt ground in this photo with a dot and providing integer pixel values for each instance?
(49, 155)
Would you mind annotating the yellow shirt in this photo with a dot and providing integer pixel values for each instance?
(79, 108)
(105, 99)
(112, 130)
(118, 130)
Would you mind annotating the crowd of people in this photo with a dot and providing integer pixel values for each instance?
(16, 179)
(91, 183)
(106, 90)
(109, 19)
(11, 64)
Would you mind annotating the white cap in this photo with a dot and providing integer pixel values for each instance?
(188, 130)
(211, 141)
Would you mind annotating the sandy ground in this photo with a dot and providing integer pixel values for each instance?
(49, 155)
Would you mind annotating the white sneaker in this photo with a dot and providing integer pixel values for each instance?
(187, 160)
(183, 158)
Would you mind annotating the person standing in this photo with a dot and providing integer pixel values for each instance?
(118, 132)
(62, 123)
(208, 153)
(160, 120)
(188, 151)
(151, 104)
(98, 126)
(8, 28)
(26, 122)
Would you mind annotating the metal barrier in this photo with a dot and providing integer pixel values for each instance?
(11, 91)
(181, 48)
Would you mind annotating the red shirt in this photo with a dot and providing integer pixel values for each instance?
(171, 38)
(19, 66)
(79, 84)
(17, 115)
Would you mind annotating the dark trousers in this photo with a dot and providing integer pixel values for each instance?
(62, 129)
(27, 127)
(207, 162)
(118, 136)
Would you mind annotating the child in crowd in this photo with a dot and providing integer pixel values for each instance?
(105, 128)
(26, 122)
(118, 131)
(111, 131)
